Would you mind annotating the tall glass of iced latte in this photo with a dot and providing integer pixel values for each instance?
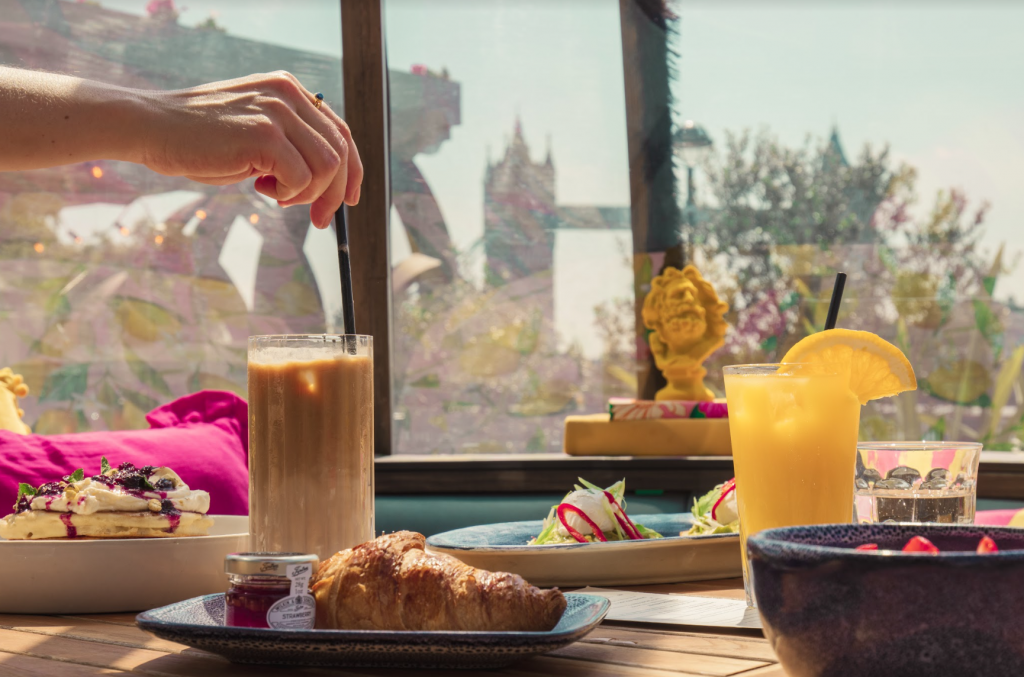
(310, 442)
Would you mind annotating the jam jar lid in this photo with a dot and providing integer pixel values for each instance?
(266, 563)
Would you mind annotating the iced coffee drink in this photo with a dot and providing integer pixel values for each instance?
(310, 443)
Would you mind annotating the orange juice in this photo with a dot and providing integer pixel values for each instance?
(794, 445)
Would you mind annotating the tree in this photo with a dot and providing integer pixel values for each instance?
(782, 221)
(766, 195)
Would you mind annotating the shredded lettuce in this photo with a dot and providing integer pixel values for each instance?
(703, 523)
(552, 534)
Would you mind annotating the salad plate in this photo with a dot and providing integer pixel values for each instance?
(670, 559)
(199, 623)
(75, 576)
(589, 539)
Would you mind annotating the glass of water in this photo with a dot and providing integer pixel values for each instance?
(920, 482)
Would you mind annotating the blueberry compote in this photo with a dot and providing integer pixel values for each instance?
(50, 490)
(134, 480)
(173, 514)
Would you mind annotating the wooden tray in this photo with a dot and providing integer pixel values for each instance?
(598, 435)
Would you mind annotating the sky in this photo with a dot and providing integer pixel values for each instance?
(938, 82)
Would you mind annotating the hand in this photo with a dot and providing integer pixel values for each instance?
(262, 125)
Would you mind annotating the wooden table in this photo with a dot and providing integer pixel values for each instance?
(110, 644)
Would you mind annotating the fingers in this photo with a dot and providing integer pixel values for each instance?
(287, 169)
(355, 165)
(300, 154)
(315, 117)
(334, 195)
(329, 166)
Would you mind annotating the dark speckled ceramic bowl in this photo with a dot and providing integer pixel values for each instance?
(831, 610)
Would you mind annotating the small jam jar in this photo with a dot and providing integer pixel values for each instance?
(269, 590)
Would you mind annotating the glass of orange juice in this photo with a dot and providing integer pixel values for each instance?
(794, 444)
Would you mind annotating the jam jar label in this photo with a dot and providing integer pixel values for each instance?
(297, 611)
(292, 613)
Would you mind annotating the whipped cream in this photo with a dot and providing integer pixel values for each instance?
(92, 495)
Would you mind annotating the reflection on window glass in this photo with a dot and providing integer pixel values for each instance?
(511, 243)
(879, 139)
(121, 289)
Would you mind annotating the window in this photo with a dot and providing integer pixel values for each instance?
(511, 245)
(878, 139)
(121, 289)
(535, 192)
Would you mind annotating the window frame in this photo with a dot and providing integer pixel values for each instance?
(364, 74)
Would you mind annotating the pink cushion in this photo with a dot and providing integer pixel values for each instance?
(204, 437)
(995, 518)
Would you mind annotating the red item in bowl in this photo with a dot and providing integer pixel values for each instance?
(987, 545)
(922, 545)
(867, 546)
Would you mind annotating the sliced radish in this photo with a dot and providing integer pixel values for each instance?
(626, 525)
(727, 490)
(566, 507)
(987, 545)
(867, 546)
(922, 545)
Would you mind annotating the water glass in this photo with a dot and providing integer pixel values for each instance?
(922, 482)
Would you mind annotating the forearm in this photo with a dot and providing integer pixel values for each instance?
(48, 120)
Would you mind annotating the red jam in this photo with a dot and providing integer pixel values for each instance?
(250, 597)
(270, 590)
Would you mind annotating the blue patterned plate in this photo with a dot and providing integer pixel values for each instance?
(673, 559)
(199, 623)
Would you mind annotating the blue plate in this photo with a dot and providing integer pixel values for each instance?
(672, 559)
(199, 623)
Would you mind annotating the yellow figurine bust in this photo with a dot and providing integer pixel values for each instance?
(685, 317)
(12, 386)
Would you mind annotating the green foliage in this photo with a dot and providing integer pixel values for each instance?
(65, 383)
(537, 442)
(431, 380)
(147, 374)
(769, 194)
(142, 402)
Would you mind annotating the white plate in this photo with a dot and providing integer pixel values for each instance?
(673, 559)
(116, 574)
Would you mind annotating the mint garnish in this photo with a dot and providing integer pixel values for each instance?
(24, 490)
(76, 476)
(104, 465)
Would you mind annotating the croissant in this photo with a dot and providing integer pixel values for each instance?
(391, 583)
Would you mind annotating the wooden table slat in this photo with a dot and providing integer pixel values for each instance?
(767, 671)
(664, 660)
(14, 665)
(553, 666)
(113, 656)
(116, 619)
(711, 645)
(89, 630)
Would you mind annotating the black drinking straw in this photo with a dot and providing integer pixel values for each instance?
(837, 297)
(345, 268)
